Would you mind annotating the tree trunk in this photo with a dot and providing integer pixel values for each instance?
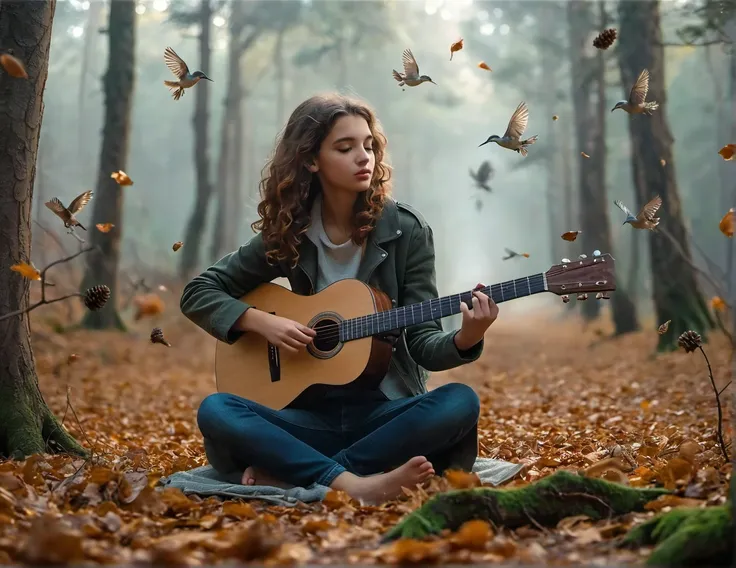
(580, 22)
(198, 216)
(27, 425)
(235, 185)
(118, 84)
(91, 32)
(279, 63)
(676, 293)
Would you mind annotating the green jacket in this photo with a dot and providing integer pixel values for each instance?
(399, 259)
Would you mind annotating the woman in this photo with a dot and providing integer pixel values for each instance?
(326, 215)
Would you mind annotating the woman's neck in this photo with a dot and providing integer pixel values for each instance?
(337, 212)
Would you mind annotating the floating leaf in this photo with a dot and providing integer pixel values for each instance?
(121, 178)
(457, 46)
(717, 304)
(662, 329)
(26, 270)
(459, 479)
(484, 65)
(663, 162)
(584, 155)
(555, 117)
(148, 305)
(177, 245)
(104, 227)
(570, 235)
(726, 225)
(728, 152)
(13, 66)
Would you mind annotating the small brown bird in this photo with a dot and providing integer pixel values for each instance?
(646, 218)
(67, 214)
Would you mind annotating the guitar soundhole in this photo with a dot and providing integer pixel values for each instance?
(327, 342)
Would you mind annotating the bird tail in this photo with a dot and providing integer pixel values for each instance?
(178, 90)
(528, 142)
(398, 77)
(486, 187)
(650, 106)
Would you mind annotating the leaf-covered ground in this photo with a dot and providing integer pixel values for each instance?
(555, 395)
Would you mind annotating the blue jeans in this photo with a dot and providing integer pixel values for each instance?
(357, 431)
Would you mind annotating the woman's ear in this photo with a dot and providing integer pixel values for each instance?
(313, 167)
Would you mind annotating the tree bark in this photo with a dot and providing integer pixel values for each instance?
(580, 22)
(198, 216)
(118, 85)
(235, 185)
(91, 32)
(676, 293)
(27, 425)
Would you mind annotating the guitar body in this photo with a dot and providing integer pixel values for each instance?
(252, 369)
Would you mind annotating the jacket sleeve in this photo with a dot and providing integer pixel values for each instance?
(429, 346)
(211, 300)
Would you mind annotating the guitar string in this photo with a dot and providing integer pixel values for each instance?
(328, 331)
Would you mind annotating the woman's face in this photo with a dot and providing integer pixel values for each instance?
(345, 160)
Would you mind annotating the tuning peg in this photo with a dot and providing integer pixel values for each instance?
(583, 256)
(565, 260)
(565, 299)
(582, 296)
(596, 252)
(602, 296)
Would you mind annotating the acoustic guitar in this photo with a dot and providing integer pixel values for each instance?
(355, 323)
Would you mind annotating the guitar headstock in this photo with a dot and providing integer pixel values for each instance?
(583, 276)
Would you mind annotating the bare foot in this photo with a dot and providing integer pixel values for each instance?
(376, 489)
(253, 476)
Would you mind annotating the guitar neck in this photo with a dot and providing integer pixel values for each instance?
(437, 308)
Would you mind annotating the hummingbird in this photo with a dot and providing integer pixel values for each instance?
(67, 214)
(411, 76)
(636, 103)
(481, 177)
(181, 71)
(646, 218)
(511, 254)
(512, 137)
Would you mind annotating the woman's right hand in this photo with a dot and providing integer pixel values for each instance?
(282, 332)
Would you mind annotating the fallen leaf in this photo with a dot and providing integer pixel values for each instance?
(104, 227)
(672, 501)
(727, 223)
(459, 479)
(457, 46)
(411, 551)
(13, 66)
(473, 535)
(728, 152)
(570, 235)
(662, 329)
(121, 178)
(484, 65)
(26, 270)
(600, 467)
(177, 245)
(239, 510)
(584, 155)
(717, 304)
(588, 535)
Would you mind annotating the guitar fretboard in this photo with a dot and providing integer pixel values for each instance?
(437, 308)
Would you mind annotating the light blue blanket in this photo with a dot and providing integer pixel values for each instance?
(205, 481)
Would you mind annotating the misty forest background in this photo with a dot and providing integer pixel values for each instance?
(196, 163)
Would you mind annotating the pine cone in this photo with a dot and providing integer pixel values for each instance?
(689, 341)
(96, 297)
(605, 39)
(157, 336)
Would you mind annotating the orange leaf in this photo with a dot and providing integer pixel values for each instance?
(457, 46)
(177, 245)
(459, 479)
(26, 270)
(473, 535)
(672, 501)
(148, 305)
(121, 178)
(238, 509)
(484, 65)
(728, 152)
(727, 223)
(717, 304)
(13, 66)
(570, 235)
(104, 227)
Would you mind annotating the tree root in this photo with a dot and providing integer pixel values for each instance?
(543, 503)
(687, 536)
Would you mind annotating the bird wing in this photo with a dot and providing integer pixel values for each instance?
(484, 171)
(640, 89)
(175, 63)
(650, 209)
(411, 69)
(510, 252)
(623, 207)
(57, 207)
(79, 202)
(518, 122)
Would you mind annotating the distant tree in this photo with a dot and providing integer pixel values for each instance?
(676, 293)
(118, 85)
(27, 425)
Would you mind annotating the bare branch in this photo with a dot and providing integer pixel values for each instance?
(718, 404)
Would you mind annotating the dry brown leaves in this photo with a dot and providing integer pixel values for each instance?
(576, 404)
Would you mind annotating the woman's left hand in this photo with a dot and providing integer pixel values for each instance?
(475, 321)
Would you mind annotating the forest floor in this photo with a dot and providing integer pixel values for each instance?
(554, 394)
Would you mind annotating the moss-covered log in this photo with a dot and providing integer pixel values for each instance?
(687, 537)
(545, 503)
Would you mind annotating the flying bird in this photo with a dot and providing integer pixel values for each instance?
(637, 97)
(481, 177)
(181, 71)
(411, 76)
(646, 218)
(67, 214)
(511, 254)
(511, 139)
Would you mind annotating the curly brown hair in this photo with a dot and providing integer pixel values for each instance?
(288, 188)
